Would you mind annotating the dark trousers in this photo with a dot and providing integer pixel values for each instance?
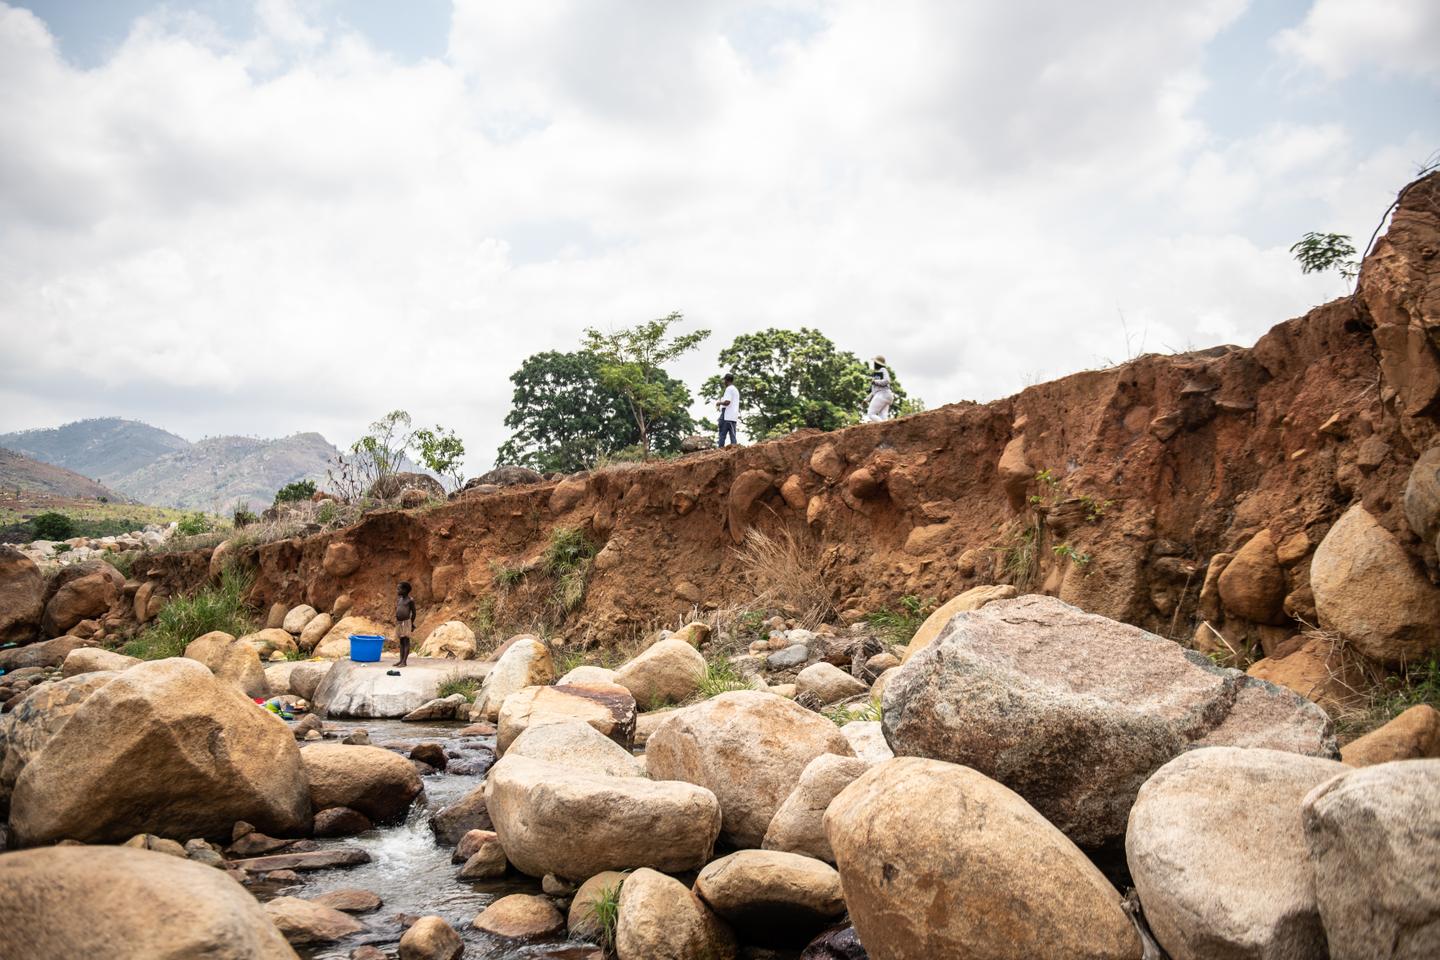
(727, 427)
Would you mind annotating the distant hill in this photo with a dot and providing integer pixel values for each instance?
(22, 476)
(107, 448)
(157, 467)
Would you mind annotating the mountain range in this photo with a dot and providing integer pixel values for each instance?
(22, 476)
(157, 467)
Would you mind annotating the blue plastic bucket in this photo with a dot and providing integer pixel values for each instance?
(366, 647)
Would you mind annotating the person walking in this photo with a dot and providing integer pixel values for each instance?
(880, 394)
(729, 410)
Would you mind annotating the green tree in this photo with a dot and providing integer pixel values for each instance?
(1318, 252)
(629, 359)
(295, 491)
(441, 452)
(562, 415)
(789, 379)
(382, 450)
(51, 525)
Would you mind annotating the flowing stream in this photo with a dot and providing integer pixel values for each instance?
(412, 873)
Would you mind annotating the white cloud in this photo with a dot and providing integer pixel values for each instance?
(298, 232)
(1339, 37)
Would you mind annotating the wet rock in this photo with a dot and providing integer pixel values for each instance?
(432, 754)
(454, 820)
(453, 707)
(659, 917)
(668, 672)
(307, 860)
(340, 822)
(1368, 590)
(488, 861)
(350, 900)
(938, 860)
(125, 904)
(837, 943)
(235, 663)
(573, 823)
(520, 916)
(139, 754)
(431, 938)
(376, 782)
(452, 640)
(576, 744)
(609, 710)
(1414, 735)
(749, 749)
(1074, 711)
(526, 663)
(799, 825)
(1218, 856)
(1373, 836)
(772, 897)
(305, 922)
(828, 683)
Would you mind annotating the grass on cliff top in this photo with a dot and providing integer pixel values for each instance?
(215, 607)
(458, 682)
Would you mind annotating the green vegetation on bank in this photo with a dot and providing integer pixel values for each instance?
(214, 607)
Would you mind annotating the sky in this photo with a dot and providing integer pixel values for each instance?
(292, 215)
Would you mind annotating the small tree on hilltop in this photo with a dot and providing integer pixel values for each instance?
(1318, 252)
(441, 452)
(627, 359)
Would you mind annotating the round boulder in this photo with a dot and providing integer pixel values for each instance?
(668, 672)
(231, 661)
(938, 860)
(1252, 585)
(771, 897)
(451, 640)
(526, 662)
(661, 918)
(298, 617)
(123, 903)
(828, 683)
(431, 938)
(611, 711)
(799, 825)
(22, 596)
(749, 748)
(379, 783)
(1219, 858)
(163, 748)
(578, 744)
(520, 916)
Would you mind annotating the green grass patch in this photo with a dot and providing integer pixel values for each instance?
(721, 677)
(216, 607)
(896, 628)
(1412, 686)
(841, 715)
(606, 913)
(459, 683)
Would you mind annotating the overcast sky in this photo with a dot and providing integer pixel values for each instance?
(226, 217)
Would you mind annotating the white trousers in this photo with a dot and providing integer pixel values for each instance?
(879, 406)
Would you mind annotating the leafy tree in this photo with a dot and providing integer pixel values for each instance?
(295, 491)
(789, 379)
(383, 448)
(440, 452)
(563, 415)
(1318, 252)
(51, 525)
(629, 359)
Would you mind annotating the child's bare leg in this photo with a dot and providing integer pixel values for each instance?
(404, 650)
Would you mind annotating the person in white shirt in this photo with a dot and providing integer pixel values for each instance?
(729, 410)
(880, 395)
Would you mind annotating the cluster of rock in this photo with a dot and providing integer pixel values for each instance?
(79, 549)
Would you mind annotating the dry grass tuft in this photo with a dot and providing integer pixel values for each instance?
(784, 571)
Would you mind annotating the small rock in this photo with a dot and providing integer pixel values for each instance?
(341, 822)
(350, 900)
(520, 916)
(789, 658)
(432, 754)
(659, 917)
(828, 683)
(306, 922)
(1414, 735)
(431, 938)
(554, 886)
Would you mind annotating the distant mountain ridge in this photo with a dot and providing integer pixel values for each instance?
(24, 475)
(157, 467)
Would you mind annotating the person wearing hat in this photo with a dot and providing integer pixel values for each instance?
(880, 395)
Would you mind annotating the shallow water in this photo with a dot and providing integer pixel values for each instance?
(413, 874)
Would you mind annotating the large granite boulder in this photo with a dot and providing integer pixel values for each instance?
(163, 748)
(1075, 711)
(573, 823)
(30, 725)
(367, 691)
(123, 903)
(611, 711)
(1218, 857)
(231, 661)
(94, 660)
(379, 783)
(526, 662)
(451, 640)
(1368, 590)
(938, 860)
(669, 671)
(972, 599)
(22, 596)
(749, 748)
(90, 594)
(1374, 842)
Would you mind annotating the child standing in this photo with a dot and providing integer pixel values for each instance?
(404, 619)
